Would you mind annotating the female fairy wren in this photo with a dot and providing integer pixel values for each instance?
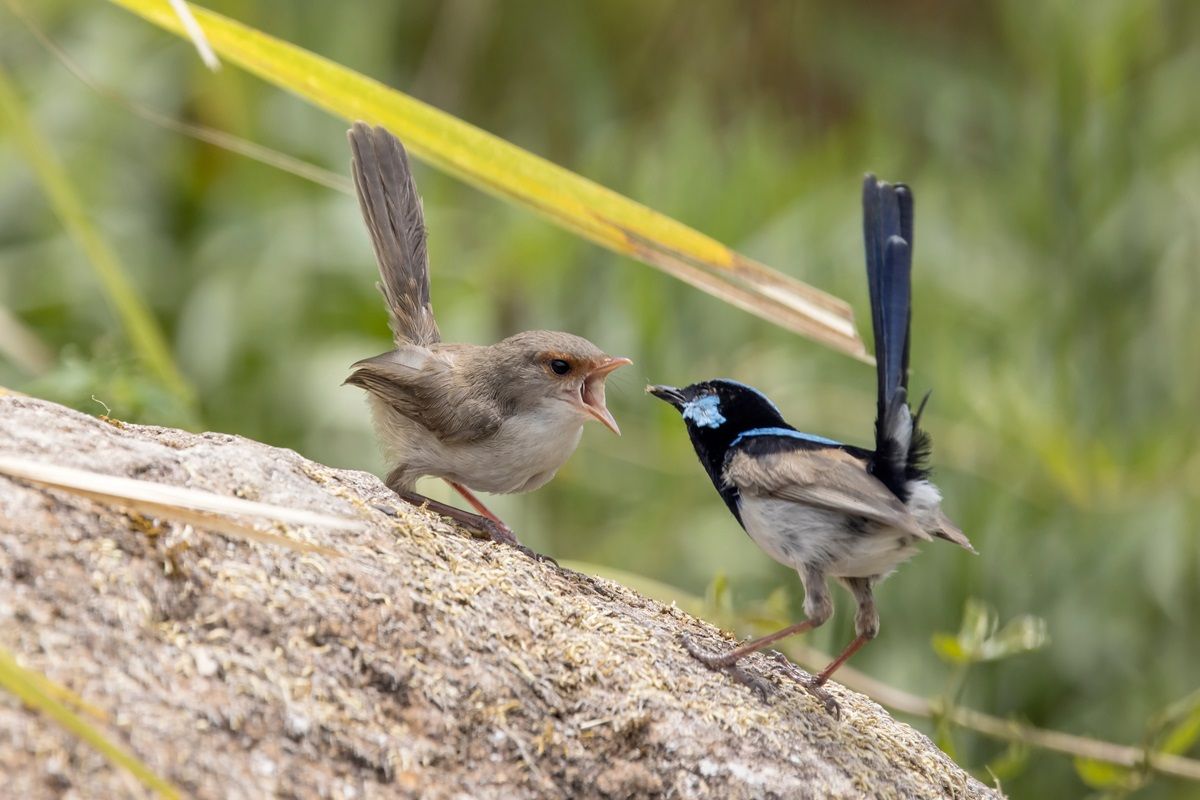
(499, 418)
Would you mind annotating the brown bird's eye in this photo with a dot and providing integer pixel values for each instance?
(560, 367)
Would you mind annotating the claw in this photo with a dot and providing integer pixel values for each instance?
(810, 683)
(708, 658)
(487, 524)
(719, 662)
(760, 686)
(502, 534)
(536, 556)
(499, 532)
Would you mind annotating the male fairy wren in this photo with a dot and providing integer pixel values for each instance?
(499, 418)
(819, 506)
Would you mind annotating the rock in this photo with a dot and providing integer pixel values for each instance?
(420, 663)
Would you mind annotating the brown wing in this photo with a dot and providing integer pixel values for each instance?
(829, 479)
(419, 383)
(391, 208)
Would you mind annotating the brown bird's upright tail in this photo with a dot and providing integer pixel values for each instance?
(391, 207)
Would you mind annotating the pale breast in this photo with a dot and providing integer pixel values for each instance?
(797, 535)
(523, 454)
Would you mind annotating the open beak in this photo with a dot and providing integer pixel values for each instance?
(667, 393)
(592, 392)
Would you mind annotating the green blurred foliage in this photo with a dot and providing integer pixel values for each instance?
(1054, 149)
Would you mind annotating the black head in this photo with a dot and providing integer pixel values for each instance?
(715, 412)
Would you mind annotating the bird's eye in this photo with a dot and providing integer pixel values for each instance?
(560, 367)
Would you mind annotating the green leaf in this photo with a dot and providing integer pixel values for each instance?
(774, 612)
(966, 647)
(1011, 763)
(1020, 635)
(979, 622)
(949, 649)
(979, 640)
(1183, 727)
(944, 737)
(1181, 737)
(1102, 775)
(501, 168)
(718, 597)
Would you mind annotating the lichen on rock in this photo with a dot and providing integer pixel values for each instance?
(420, 663)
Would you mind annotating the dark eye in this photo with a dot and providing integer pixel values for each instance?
(560, 367)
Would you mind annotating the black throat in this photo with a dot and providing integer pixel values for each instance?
(723, 411)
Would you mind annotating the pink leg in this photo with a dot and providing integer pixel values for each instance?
(722, 660)
(476, 503)
(496, 529)
(850, 650)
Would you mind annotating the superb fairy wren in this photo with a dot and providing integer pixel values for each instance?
(825, 508)
(501, 418)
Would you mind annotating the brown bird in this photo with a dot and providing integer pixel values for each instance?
(499, 418)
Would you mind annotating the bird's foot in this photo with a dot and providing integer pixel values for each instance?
(708, 658)
(492, 526)
(489, 525)
(811, 683)
(499, 532)
(721, 662)
(502, 534)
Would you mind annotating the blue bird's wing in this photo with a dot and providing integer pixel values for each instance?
(829, 478)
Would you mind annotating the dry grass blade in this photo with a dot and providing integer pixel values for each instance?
(496, 166)
(41, 694)
(187, 505)
(203, 133)
(195, 34)
(64, 695)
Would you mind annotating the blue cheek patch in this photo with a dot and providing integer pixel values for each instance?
(704, 412)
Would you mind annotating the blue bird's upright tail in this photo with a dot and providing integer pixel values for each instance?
(901, 448)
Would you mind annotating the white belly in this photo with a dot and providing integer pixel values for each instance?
(524, 454)
(798, 535)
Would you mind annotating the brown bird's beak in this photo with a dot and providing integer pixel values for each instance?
(592, 391)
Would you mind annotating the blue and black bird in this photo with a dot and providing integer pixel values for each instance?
(824, 508)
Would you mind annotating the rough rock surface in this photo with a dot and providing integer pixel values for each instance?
(422, 663)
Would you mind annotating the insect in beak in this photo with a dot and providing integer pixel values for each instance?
(668, 394)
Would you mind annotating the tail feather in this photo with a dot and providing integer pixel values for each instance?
(895, 300)
(904, 196)
(872, 226)
(887, 232)
(391, 208)
(952, 533)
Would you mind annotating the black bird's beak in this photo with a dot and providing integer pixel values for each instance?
(668, 393)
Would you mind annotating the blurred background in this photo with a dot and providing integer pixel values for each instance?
(1054, 150)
